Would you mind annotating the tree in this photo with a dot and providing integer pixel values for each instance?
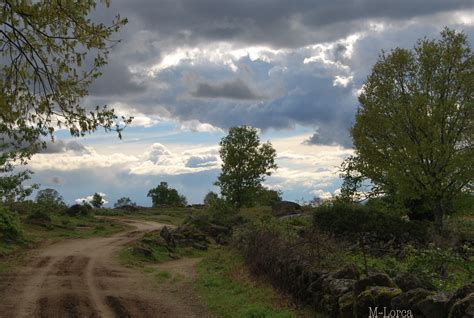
(51, 51)
(97, 200)
(210, 198)
(165, 195)
(245, 163)
(50, 197)
(266, 197)
(124, 201)
(413, 132)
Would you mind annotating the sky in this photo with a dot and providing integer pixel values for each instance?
(189, 70)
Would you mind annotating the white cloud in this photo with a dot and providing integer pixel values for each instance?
(89, 198)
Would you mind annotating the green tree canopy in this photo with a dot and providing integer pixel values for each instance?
(97, 200)
(413, 133)
(165, 195)
(245, 163)
(124, 201)
(50, 197)
(51, 51)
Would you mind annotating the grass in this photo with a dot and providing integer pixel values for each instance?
(230, 291)
(61, 227)
(174, 216)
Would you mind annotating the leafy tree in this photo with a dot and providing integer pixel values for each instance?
(266, 197)
(413, 133)
(97, 200)
(163, 194)
(245, 163)
(210, 198)
(51, 51)
(49, 197)
(124, 201)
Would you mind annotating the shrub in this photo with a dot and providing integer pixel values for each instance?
(10, 229)
(79, 210)
(353, 221)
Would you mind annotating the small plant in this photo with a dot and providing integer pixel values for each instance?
(10, 229)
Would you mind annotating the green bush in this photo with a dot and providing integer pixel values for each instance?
(353, 221)
(79, 210)
(10, 229)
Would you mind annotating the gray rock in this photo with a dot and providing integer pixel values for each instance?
(340, 286)
(434, 306)
(460, 294)
(463, 308)
(378, 279)
(410, 299)
(407, 281)
(348, 272)
(374, 297)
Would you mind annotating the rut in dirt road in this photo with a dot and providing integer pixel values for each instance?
(82, 278)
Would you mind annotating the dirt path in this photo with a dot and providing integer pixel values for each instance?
(82, 278)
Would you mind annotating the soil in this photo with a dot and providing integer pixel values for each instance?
(83, 278)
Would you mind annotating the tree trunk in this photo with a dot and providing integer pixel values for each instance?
(438, 213)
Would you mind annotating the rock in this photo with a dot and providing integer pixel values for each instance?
(410, 299)
(168, 237)
(460, 294)
(376, 279)
(200, 246)
(143, 251)
(346, 303)
(348, 272)
(463, 308)
(374, 297)
(407, 281)
(434, 306)
(283, 208)
(340, 286)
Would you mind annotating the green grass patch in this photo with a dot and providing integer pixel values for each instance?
(230, 292)
(60, 227)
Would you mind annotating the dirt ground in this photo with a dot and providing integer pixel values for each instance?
(83, 278)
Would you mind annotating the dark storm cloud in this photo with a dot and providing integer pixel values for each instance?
(280, 23)
(116, 80)
(235, 89)
(294, 93)
(60, 146)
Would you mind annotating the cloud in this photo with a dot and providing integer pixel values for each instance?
(202, 161)
(89, 198)
(235, 89)
(60, 146)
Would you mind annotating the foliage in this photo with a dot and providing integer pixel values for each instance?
(357, 221)
(210, 198)
(51, 51)
(10, 229)
(50, 198)
(124, 201)
(414, 127)
(267, 197)
(78, 210)
(443, 267)
(97, 200)
(245, 163)
(164, 195)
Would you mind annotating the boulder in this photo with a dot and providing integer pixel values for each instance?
(341, 286)
(434, 306)
(168, 237)
(463, 308)
(372, 297)
(410, 299)
(346, 304)
(348, 272)
(408, 281)
(283, 208)
(376, 279)
(460, 294)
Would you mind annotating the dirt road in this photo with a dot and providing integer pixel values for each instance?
(82, 278)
